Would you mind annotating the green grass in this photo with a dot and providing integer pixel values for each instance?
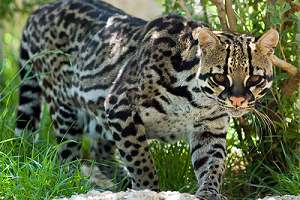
(261, 180)
(29, 170)
(174, 166)
(35, 174)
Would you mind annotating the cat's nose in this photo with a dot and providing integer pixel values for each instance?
(237, 101)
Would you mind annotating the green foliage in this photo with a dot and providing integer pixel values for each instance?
(8, 8)
(31, 171)
(205, 10)
(278, 11)
(174, 167)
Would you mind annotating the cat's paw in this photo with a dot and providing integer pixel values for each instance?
(206, 195)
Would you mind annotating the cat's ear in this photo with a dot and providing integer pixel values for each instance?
(268, 41)
(208, 40)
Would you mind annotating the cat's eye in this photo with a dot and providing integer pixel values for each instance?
(255, 79)
(220, 78)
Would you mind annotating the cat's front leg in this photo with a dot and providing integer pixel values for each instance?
(209, 160)
(129, 134)
(208, 151)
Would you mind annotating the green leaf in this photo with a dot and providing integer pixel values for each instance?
(273, 10)
(277, 3)
(291, 17)
(281, 76)
(285, 9)
(274, 20)
(254, 14)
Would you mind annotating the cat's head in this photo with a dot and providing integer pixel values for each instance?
(235, 69)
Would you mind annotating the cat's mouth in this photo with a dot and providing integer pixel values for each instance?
(237, 112)
(234, 111)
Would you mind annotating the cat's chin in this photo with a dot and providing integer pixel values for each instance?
(236, 113)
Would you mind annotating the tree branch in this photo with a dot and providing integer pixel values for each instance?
(242, 22)
(185, 9)
(289, 68)
(221, 10)
(289, 85)
(230, 15)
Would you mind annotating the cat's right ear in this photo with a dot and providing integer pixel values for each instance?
(268, 41)
(208, 40)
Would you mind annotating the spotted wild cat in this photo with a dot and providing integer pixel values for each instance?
(169, 79)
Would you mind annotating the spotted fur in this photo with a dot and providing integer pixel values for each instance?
(169, 79)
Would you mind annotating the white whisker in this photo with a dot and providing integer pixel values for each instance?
(266, 119)
(279, 117)
(256, 128)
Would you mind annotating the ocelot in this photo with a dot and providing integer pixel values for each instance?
(130, 80)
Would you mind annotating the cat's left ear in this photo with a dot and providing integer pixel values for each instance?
(268, 41)
(208, 40)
